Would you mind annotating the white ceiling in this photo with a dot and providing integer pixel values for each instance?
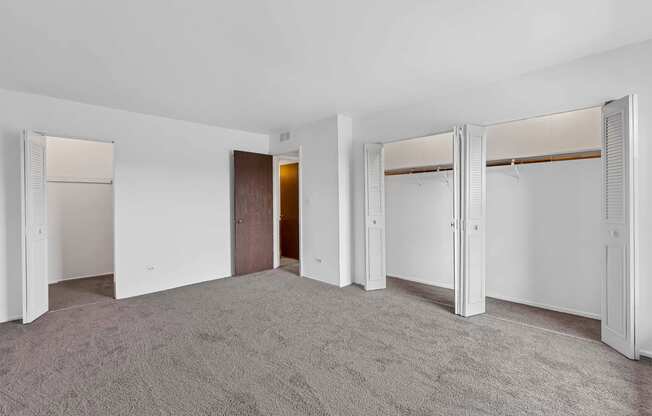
(267, 65)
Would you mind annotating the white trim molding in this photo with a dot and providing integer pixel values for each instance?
(79, 277)
(545, 306)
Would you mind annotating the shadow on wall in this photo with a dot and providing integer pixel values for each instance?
(10, 254)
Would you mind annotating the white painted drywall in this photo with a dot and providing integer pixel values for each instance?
(419, 241)
(543, 235)
(345, 157)
(70, 159)
(568, 132)
(172, 192)
(80, 230)
(325, 196)
(80, 215)
(431, 150)
(582, 83)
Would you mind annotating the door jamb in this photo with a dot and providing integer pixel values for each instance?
(277, 207)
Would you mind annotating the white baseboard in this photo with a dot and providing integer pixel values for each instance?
(506, 298)
(646, 354)
(78, 277)
(424, 282)
(544, 306)
(11, 318)
(319, 279)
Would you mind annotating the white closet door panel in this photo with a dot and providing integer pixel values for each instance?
(374, 217)
(458, 148)
(619, 262)
(35, 279)
(470, 288)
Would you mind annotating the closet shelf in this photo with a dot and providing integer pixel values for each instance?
(104, 181)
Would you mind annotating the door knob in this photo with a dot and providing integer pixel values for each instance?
(239, 221)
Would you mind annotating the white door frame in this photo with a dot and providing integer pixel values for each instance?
(24, 208)
(277, 159)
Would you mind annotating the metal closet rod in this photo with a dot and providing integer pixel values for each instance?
(82, 180)
(556, 157)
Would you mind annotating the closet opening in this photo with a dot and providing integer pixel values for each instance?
(67, 227)
(419, 194)
(544, 222)
(80, 222)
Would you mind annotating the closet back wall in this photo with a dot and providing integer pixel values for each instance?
(80, 209)
(543, 233)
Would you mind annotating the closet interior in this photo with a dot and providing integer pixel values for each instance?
(543, 214)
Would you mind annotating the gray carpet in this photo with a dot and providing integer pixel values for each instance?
(275, 343)
(574, 325)
(77, 292)
(290, 265)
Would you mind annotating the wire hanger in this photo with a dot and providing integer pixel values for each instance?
(516, 174)
(444, 179)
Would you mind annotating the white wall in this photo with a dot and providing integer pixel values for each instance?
(80, 215)
(543, 233)
(431, 150)
(582, 83)
(172, 192)
(345, 155)
(419, 245)
(70, 159)
(325, 197)
(568, 132)
(80, 230)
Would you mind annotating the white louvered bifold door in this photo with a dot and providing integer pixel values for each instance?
(619, 262)
(374, 217)
(470, 173)
(35, 279)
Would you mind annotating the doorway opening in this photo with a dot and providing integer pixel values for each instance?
(68, 223)
(267, 212)
(289, 213)
(419, 193)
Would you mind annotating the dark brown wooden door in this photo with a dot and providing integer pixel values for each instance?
(289, 228)
(254, 197)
